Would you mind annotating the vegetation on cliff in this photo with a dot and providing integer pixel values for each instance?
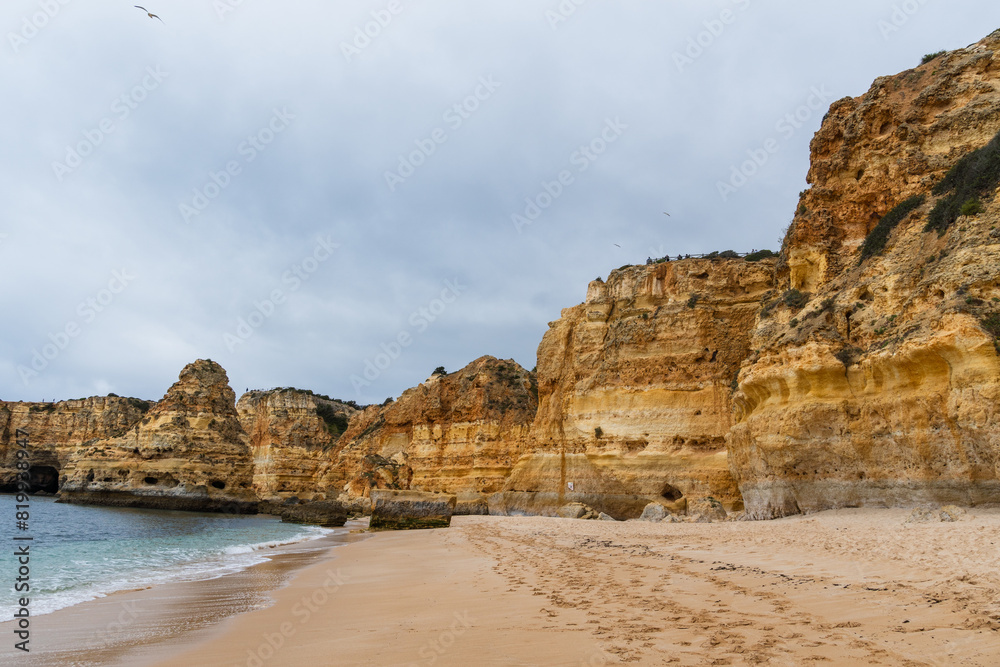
(879, 235)
(974, 176)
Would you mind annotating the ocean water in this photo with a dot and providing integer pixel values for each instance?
(81, 552)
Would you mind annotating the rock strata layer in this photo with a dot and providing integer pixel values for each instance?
(635, 390)
(292, 437)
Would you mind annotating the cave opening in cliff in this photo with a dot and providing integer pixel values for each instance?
(43, 478)
(671, 492)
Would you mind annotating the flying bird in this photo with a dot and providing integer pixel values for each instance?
(666, 214)
(149, 13)
(618, 246)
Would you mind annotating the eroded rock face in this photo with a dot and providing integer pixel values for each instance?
(56, 430)
(903, 409)
(634, 389)
(460, 432)
(874, 151)
(188, 452)
(292, 435)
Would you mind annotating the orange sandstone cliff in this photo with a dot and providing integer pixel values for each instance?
(56, 430)
(292, 434)
(459, 433)
(188, 452)
(634, 389)
(877, 382)
(860, 368)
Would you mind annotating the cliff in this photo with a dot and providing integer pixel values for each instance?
(860, 368)
(874, 151)
(455, 433)
(57, 430)
(292, 433)
(875, 378)
(634, 389)
(188, 452)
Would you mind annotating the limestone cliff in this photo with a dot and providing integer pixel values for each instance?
(56, 430)
(188, 452)
(634, 389)
(874, 151)
(291, 436)
(460, 432)
(876, 380)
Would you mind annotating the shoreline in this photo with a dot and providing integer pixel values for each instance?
(121, 627)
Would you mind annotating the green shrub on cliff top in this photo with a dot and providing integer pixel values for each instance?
(931, 56)
(879, 235)
(974, 176)
(759, 255)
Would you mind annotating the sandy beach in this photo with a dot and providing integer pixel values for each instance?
(844, 587)
(847, 587)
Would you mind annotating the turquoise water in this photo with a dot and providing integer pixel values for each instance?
(80, 553)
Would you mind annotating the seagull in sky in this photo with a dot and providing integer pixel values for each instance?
(151, 15)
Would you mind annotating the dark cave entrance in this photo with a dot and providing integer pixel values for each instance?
(671, 493)
(43, 478)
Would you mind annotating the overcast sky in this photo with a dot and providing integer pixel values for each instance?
(295, 188)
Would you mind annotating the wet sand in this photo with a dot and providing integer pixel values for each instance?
(130, 628)
(850, 587)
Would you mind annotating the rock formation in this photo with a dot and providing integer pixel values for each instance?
(327, 513)
(860, 368)
(460, 432)
(408, 510)
(634, 389)
(292, 434)
(876, 381)
(188, 452)
(56, 430)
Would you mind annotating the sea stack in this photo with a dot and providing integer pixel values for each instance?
(188, 453)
